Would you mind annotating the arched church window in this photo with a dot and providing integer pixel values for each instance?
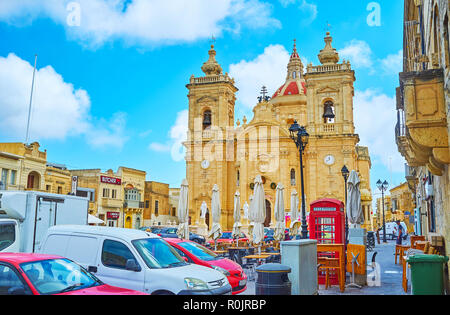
(206, 119)
(293, 177)
(294, 75)
(328, 112)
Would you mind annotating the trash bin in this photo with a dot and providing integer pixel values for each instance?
(273, 280)
(427, 274)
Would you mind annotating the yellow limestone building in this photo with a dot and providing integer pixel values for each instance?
(220, 151)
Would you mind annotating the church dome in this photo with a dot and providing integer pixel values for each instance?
(295, 83)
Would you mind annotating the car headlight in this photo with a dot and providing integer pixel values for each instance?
(224, 271)
(195, 284)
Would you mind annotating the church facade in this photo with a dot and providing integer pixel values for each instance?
(224, 151)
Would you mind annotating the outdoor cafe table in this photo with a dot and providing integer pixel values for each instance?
(220, 252)
(258, 257)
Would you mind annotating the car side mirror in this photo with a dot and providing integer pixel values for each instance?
(132, 265)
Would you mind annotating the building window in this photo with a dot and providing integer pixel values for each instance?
(59, 190)
(12, 179)
(33, 180)
(156, 207)
(132, 195)
(4, 177)
(238, 177)
(293, 177)
(147, 204)
(446, 42)
(207, 119)
(113, 193)
(48, 188)
(105, 193)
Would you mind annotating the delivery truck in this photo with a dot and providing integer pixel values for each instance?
(25, 217)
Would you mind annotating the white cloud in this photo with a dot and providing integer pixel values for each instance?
(58, 111)
(375, 120)
(359, 53)
(393, 64)
(267, 69)
(145, 22)
(177, 135)
(361, 56)
(309, 9)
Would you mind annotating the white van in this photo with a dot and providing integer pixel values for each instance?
(133, 259)
(392, 230)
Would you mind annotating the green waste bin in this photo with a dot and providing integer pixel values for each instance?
(427, 274)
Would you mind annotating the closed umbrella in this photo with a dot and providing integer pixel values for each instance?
(251, 222)
(280, 216)
(183, 212)
(237, 216)
(216, 230)
(295, 222)
(354, 209)
(259, 212)
(94, 220)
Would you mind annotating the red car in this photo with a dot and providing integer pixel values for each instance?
(36, 274)
(198, 254)
(227, 238)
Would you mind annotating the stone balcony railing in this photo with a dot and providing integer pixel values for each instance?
(423, 140)
(211, 79)
(329, 68)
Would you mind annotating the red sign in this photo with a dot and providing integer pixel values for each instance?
(112, 215)
(110, 180)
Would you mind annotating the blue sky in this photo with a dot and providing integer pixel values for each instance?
(110, 88)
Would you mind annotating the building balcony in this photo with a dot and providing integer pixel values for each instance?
(111, 203)
(423, 137)
(133, 204)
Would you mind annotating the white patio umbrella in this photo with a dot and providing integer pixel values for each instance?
(183, 212)
(295, 222)
(216, 230)
(353, 203)
(237, 217)
(251, 222)
(94, 220)
(280, 216)
(259, 212)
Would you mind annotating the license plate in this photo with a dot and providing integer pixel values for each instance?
(242, 282)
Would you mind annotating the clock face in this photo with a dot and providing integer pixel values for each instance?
(205, 164)
(329, 160)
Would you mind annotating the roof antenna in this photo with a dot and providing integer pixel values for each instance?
(31, 101)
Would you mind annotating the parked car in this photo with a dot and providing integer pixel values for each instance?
(200, 255)
(268, 234)
(227, 238)
(35, 274)
(171, 232)
(133, 259)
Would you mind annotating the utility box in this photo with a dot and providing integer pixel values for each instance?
(301, 257)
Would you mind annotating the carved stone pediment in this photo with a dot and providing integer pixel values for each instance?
(327, 90)
(206, 99)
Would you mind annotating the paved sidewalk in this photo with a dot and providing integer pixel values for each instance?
(391, 276)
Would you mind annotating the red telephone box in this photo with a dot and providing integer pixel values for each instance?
(327, 221)
(327, 226)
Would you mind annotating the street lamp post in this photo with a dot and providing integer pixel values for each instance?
(382, 186)
(301, 137)
(345, 174)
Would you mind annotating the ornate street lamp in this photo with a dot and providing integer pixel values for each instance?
(345, 174)
(383, 186)
(300, 138)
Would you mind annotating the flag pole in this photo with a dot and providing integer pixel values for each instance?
(31, 101)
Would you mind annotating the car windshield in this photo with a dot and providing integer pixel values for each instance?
(226, 235)
(55, 276)
(199, 251)
(158, 254)
(170, 231)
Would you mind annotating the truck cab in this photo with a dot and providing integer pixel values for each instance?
(9, 236)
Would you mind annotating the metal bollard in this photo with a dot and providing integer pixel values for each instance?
(273, 280)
